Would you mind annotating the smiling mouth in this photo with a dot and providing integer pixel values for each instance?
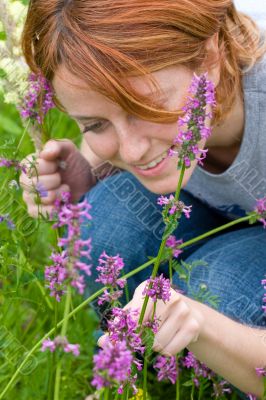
(156, 161)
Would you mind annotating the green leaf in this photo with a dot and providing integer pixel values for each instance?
(9, 125)
(2, 35)
(148, 340)
(3, 73)
(188, 383)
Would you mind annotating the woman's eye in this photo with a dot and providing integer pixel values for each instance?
(97, 127)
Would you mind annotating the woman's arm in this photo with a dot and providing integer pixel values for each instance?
(230, 349)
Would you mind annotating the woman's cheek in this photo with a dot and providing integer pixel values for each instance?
(103, 147)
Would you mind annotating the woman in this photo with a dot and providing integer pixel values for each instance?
(122, 71)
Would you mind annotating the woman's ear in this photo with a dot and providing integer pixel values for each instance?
(211, 63)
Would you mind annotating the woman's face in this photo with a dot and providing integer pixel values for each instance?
(124, 140)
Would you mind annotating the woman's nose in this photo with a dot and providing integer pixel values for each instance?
(134, 144)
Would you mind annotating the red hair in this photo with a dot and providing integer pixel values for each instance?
(105, 41)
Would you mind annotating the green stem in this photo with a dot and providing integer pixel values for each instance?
(200, 392)
(153, 312)
(264, 393)
(127, 293)
(171, 269)
(125, 394)
(63, 333)
(192, 392)
(21, 139)
(106, 393)
(213, 231)
(53, 356)
(177, 396)
(180, 180)
(145, 367)
(161, 249)
(116, 396)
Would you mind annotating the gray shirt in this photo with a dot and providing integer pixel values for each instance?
(235, 191)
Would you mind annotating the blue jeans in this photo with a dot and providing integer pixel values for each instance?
(127, 221)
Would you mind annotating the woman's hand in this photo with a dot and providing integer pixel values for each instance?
(57, 168)
(180, 321)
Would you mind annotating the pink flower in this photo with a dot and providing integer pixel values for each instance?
(167, 368)
(251, 396)
(191, 126)
(219, 389)
(109, 270)
(5, 162)
(123, 325)
(48, 344)
(173, 243)
(60, 342)
(112, 363)
(260, 209)
(158, 288)
(30, 108)
(173, 207)
(261, 371)
(72, 348)
(67, 266)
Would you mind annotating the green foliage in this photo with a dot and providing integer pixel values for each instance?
(27, 311)
(184, 271)
(2, 35)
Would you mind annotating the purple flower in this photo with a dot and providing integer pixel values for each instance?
(172, 208)
(251, 396)
(123, 325)
(263, 282)
(260, 209)
(189, 361)
(48, 344)
(219, 389)
(60, 342)
(173, 244)
(40, 189)
(196, 382)
(200, 369)
(56, 275)
(77, 281)
(192, 127)
(72, 348)
(167, 368)
(5, 218)
(67, 266)
(110, 268)
(5, 162)
(38, 100)
(261, 371)
(112, 297)
(153, 325)
(112, 364)
(158, 288)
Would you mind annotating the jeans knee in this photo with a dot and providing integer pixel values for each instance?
(125, 221)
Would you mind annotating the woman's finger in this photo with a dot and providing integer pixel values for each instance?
(52, 195)
(42, 167)
(47, 182)
(36, 211)
(187, 334)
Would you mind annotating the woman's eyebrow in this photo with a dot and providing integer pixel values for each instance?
(84, 117)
